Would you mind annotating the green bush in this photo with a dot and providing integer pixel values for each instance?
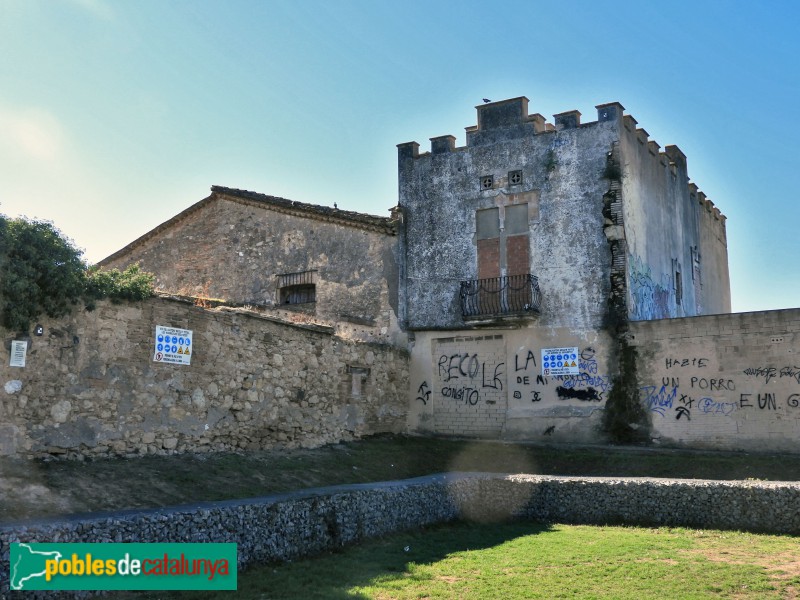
(130, 284)
(42, 272)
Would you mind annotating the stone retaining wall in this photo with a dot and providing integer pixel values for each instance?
(288, 526)
(90, 385)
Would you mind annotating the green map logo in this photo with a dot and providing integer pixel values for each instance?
(37, 566)
(28, 564)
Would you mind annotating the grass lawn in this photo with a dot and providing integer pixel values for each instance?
(528, 560)
(51, 488)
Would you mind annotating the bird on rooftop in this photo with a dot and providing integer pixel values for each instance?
(486, 100)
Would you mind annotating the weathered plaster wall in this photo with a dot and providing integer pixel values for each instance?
(233, 247)
(489, 384)
(715, 284)
(563, 184)
(725, 381)
(90, 385)
(666, 228)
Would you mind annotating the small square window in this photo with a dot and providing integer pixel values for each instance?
(514, 177)
(487, 182)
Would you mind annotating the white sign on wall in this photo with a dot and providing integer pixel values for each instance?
(173, 345)
(560, 361)
(18, 352)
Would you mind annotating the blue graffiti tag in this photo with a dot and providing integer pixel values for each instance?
(710, 406)
(659, 401)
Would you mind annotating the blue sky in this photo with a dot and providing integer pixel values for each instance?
(114, 116)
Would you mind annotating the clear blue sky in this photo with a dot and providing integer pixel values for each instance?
(116, 115)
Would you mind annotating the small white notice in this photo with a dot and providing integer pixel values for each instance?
(173, 345)
(560, 361)
(18, 352)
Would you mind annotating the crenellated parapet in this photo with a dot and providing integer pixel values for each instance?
(511, 117)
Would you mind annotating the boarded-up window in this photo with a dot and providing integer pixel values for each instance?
(503, 251)
(487, 227)
(297, 288)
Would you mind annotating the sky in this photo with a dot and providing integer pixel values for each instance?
(117, 115)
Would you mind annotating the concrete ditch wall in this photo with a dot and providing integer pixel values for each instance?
(724, 382)
(288, 526)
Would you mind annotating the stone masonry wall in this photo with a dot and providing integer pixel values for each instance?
(288, 526)
(235, 245)
(90, 386)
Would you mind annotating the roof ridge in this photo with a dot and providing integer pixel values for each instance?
(303, 206)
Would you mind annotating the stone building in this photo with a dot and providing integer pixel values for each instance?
(533, 243)
(536, 237)
(556, 281)
(300, 261)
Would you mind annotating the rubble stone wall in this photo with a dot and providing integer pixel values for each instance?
(90, 385)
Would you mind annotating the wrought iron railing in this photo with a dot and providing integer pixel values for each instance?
(499, 296)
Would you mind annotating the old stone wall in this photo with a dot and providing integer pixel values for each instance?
(288, 526)
(90, 385)
(727, 382)
(236, 245)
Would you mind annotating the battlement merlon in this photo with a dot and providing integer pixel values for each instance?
(676, 155)
(443, 144)
(611, 111)
(570, 119)
(408, 150)
(499, 115)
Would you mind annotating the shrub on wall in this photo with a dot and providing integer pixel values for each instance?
(42, 272)
(130, 284)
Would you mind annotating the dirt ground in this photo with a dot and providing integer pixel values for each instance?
(41, 488)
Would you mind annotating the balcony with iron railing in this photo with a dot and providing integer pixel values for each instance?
(498, 297)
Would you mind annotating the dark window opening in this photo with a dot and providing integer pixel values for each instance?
(299, 294)
(297, 288)
(678, 287)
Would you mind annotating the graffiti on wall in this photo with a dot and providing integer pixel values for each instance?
(770, 373)
(677, 396)
(465, 375)
(423, 393)
(587, 386)
(649, 299)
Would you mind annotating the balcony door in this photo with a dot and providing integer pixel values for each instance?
(503, 240)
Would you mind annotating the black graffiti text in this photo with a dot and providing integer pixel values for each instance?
(468, 395)
(686, 362)
(713, 384)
